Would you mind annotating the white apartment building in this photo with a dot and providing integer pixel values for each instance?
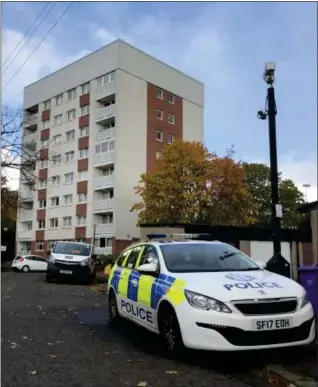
(97, 124)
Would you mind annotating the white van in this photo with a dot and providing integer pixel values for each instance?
(74, 260)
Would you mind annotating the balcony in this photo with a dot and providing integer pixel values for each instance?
(104, 182)
(105, 91)
(106, 158)
(103, 250)
(106, 228)
(28, 180)
(27, 196)
(29, 141)
(31, 120)
(103, 205)
(104, 114)
(25, 235)
(26, 215)
(105, 134)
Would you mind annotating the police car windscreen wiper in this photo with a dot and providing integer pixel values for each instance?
(227, 255)
(250, 269)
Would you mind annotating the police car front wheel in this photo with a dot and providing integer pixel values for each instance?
(170, 330)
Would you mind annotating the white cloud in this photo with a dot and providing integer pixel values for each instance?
(301, 171)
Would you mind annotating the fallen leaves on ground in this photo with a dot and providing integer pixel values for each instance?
(171, 372)
(52, 356)
(33, 372)
(142, 384)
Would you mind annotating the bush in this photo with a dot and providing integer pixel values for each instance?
(104, 260)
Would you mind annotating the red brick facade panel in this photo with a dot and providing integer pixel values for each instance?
(83, 121)
(84, 99)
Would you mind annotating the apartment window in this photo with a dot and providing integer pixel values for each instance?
(56, 160)
(70, 115)
(41, 224)
(159, 114)
(107, 195)
(71, 94)
(43, 164)
(103, 242)
(159, 93)
(43, 183)
(100, 148)
(85, 88)
(68, 178)
(46, 124)
(158, 154)
(39, 246)
(171, 98)
(171, 118)
(107, 219)
(84, 131)
(59, 99)
(45, 143)
(83, 153)
(69, 156)
(108, 171)
(84, 110)
(55, 180)
(58, 119)
(81, 220)
(111, 145)
(51, 244)
(42, 203)
(47, 105)
(57, 139)
(68, 199)
(170, 138)
(55, 201)
(82, 197)
(70, 135)
(82, 175)
(29, 226)
(54, 223)
(159, 135)
(105, 79)
(67, 221)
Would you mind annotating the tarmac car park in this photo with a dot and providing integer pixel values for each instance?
(207, 295)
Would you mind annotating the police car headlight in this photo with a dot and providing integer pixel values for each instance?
(52, 260)
(205, 303)
(85, 262)
(304, 301)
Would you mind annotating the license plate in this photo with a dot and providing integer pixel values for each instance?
(66, 272)
(273, 324)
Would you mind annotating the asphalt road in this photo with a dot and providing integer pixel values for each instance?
(57, 335)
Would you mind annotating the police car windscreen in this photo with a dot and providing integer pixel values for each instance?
(72, 249)
(201, 257)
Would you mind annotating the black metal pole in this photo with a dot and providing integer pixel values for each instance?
(94, 234)
(275, 221)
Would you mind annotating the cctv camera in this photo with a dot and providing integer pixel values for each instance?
(261, 115)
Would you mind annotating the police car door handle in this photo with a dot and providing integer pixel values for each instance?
(134, 282)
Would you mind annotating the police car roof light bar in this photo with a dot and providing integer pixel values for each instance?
(180, 236)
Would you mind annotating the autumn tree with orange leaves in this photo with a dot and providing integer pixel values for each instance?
(190, 185)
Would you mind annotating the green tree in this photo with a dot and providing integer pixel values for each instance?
(259, 186)
(190, 185)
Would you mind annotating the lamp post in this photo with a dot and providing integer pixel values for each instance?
(94, 233)
(277, 263)
(306, 186)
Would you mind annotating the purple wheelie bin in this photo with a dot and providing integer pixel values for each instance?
(308, 278)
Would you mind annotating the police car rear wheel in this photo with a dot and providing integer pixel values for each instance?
(170, 331)
(113, 308)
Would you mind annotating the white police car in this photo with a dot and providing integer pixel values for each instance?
(207, 295)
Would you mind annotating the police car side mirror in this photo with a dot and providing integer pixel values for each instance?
(261, 264)
(149, 268)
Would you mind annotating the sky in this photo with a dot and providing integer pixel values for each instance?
(224, 45)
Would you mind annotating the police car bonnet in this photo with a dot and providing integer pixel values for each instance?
(228, 286)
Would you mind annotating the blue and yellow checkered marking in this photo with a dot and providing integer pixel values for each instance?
(152, 289)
